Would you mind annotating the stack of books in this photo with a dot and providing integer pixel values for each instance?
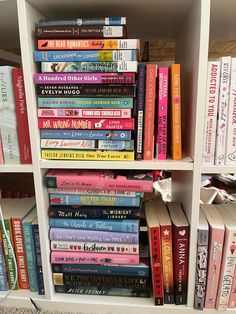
(86, 89)
(20, 220)
(215, 286)
(94, 220)
(14, 130)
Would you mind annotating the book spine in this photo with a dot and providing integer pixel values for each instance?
(88, 144)
(141, 270)
(72, 280)
(156, 265)
(232, 298)
(10, 266)
(94, 67)
(1, 151)
(94, 212)
(92, 236)
(212, 93)
(8, 123)
(123, 292)
(96, 192)
(38, 264)
(201, 269)
(86, 56)
(53, 154)
(176, 107)
(85, 21)
(93, 200)
(162, 109)
(167, 264)
(84, 103)
(94, 247)
(93, 258)
(151, 75)
(140, 111)
(227, 270)
(91, 124)
(3, 272)
(84, 113)
(231, 128)
(180, 262)
(30, 256)
(86, 135)
(19, 249)
(128, 226)
(85, 32)
(214, 265)
(223, 107)
(21, 116)
(84, 78)
(88, 44)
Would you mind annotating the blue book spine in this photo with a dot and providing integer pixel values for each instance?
(85, 56)
(86, 135)
(117, 20)
(3, 272)
(96, 200)
(47, 102)
(141, 270)
(39, 267)
(30, 256)
(128, 226)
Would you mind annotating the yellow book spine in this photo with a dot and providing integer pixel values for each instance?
(86, 155)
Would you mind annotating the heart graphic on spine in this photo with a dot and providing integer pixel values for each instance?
(182, 232)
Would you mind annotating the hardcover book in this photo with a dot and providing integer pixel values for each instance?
(117, 20)
(132, 181)
(180, 228)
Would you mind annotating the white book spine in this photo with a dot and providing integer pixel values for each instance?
(212, 95)
(223, 111)
(227, 270)
(8, 123)
(231, 128)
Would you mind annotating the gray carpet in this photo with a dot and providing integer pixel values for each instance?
(8, 310)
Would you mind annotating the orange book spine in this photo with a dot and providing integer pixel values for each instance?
(17, 234)
(175, 96)
(167, 264)
(150, 98)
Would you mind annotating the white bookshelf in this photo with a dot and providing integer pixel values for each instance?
(188, 23)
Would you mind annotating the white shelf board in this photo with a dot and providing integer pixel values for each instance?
(218, 169)
(20, 298)
(161, 18)
(16, 168)
(185, 164)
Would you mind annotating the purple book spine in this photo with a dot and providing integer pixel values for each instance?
(93, 236)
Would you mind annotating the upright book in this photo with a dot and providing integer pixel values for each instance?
(216, 242)
(180, 227)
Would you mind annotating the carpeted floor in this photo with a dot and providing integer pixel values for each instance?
(8, 310)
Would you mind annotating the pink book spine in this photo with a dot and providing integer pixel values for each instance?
(93, 258)
(161, 130)
(214, 265)
(85, 113)
(84, 78)
(1, 153)
(232, 297)
(62, 179)
(86, 124)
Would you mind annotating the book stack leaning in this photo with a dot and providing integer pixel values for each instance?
(94, 220)
(86, 89)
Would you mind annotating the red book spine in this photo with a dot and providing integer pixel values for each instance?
(180, 258)
(156, 264)
(21, 115)
(151, 75)
(19, 249)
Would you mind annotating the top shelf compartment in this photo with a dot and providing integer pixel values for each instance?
(145, 19)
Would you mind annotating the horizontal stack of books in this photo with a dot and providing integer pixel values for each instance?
(215, 286)
(14, 130)
(94, 220)
(20, 220)
(85, 108)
